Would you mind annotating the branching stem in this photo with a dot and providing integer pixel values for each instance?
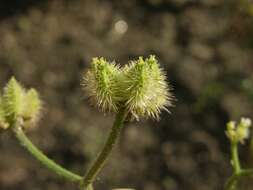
(230, 185)
(41, 157)
(238, 172)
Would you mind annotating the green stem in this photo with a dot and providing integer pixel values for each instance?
(235, 158)
(237, 171)
(234, 178)
(246, 173)
(103, 155)
(89, 187)
(50, 164)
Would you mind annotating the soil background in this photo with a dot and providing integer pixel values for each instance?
(205, 47)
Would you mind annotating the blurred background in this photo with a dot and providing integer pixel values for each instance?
(205, 47)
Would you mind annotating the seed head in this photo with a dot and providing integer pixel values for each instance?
(100, 84)
(147, 92)
(140, 87)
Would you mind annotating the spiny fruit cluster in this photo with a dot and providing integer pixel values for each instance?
(140, 87)
(17, 103)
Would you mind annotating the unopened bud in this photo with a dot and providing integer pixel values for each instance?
(239, 132)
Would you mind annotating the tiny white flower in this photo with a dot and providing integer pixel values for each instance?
(238, 132)
(245, 122)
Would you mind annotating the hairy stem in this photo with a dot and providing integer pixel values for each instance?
(103, 155)
(50, 164)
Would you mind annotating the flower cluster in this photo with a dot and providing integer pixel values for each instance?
(238, 132)
(140, 87)
(17, 103)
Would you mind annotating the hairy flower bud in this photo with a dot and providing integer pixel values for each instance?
(33, 106)
(18, 104)
(100, 83)
(140, 87)
(146, 89)
(3, 124)
(13, 100)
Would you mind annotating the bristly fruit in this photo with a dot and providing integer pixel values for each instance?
(146, 89)
(100, 83)
(140, 87)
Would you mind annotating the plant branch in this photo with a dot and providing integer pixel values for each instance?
(234, 178)
(238, 172)
(50, 164)
(235, 162)
(103, 155)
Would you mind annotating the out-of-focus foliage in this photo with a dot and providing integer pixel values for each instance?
(206, 49)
